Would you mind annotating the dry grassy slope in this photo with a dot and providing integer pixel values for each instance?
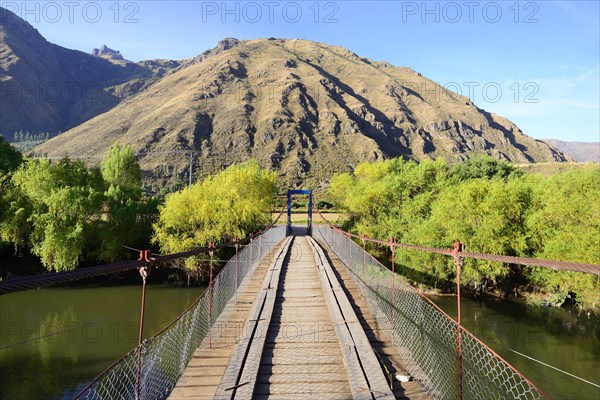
(580, 151)
(322, 107)
(50, 88)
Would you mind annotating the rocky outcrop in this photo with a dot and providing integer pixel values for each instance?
(106, 52)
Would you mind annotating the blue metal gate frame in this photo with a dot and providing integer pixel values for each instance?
(291, 193)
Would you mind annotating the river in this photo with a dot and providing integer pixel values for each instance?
(54, 340)
(557, 337)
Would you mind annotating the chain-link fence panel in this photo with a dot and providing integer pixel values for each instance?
(446, 359)
(151, 370)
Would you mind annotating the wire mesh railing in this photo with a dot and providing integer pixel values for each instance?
(439, 353)
(151, 370)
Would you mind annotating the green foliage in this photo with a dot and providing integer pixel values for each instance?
(15, 212)
(487, 215)
(121, 170)
(58, 201)
(65, 211)
(385, 197)
(122, 174)
(565, 225)
(10, 158)
(324, 205)
(483, 167)
(492, 207)
(226, 206)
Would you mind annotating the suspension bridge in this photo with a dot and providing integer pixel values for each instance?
(305, 313)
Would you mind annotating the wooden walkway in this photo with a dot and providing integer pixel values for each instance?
(298, 330)
(302, 358)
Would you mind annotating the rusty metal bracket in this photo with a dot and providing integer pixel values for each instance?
(145, 256)
(458, 261)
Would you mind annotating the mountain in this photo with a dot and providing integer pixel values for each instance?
(580, 151)
(106, 52)
(304, 107)
(48, 88)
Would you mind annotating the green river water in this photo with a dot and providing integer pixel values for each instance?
(54, 340)
(557, 337)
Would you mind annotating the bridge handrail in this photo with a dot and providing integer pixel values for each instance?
(427, 337)
(166, 354)
(37, 281)
(533, 262)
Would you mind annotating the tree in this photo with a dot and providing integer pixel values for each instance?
(223, 207)
(565, 225)
(120, 169)
(483, 167)
(122, 175)
(10, 158)
(58, 203)
(15, 213)
(487, 215)
(491, 206)
(386, 197)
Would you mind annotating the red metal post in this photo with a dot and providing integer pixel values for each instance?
(458, 260)
(144, 272)
(393, 249)
(210, 293)
(362, 238)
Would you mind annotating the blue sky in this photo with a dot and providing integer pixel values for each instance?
(534, 62)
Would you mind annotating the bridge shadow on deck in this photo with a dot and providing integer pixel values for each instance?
(298, 230)
(301, 358)
(344, 277)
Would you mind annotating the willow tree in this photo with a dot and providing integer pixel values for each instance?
(122, 175)
(564, 224)
(223, 207)
(53, 208)
(10, 158)
(13, 210)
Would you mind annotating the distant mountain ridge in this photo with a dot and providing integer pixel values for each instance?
(305, 108)
(580, 151)
(48, 88)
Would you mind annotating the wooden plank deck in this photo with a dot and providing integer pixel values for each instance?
(207, 366)
(305, 355)
(379, 338)
(302, 359)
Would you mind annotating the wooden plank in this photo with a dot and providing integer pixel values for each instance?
(210, 359)
(355, 376)
(303, 396)
(303, 377)
(364, 370)
(302, 357)
(250, 347)
(379, 337)
(314, 388)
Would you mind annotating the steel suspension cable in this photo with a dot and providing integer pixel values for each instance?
(533, 262)
(37, 281)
